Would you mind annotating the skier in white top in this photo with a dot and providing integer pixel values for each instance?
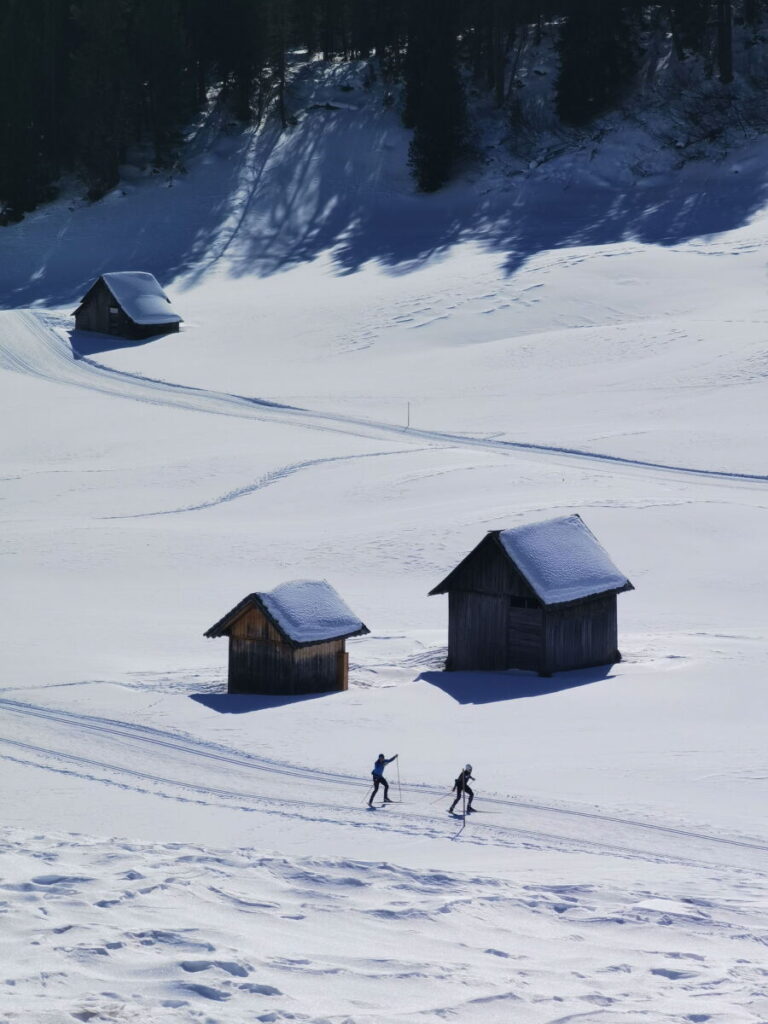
(461, 785)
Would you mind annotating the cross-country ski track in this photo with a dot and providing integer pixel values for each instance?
(28, 345)
(175, 763)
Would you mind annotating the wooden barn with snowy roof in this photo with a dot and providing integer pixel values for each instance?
(540, 597)
(289, 640)
(128, 303)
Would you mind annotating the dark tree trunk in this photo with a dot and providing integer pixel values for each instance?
(725, 41)
(752, 12)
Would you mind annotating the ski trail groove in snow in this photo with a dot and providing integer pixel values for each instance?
(151, 738)
(273, 477)
(31, 347)
(322, 812)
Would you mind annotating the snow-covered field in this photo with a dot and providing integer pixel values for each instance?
(568, 340)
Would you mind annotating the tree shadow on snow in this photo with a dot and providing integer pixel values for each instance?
(491, 687)
(338, 183)
(244, 703)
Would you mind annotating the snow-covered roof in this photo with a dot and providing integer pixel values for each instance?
(562, 560)
(305, 611)
(141, 297)
(309, 611)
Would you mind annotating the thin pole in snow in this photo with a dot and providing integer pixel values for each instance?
(445, 797)
(399, 790)
(463, 811)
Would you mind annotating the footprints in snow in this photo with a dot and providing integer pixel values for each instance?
(233, 935)
(446, 305)
(229, 966)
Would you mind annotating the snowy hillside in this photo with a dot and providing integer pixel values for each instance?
(367, 381)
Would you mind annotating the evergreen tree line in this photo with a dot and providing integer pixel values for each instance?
(82, 81)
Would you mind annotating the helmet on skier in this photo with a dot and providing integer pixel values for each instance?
(381, 757)
(468, 768)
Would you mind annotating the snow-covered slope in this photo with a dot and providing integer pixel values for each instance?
(366, 381)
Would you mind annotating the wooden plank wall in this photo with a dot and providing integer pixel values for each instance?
(316, 668)
(260, 661)
(525, 638)
(582, 635)
(489, 571)
(95, 317)
(95, 313)
(254, 625)
(477, 631)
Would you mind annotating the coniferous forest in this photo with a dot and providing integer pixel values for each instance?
(82, 81)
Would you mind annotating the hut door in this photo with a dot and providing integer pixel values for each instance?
(114, 319)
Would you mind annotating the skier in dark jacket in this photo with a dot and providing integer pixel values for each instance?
(378, 778)
(461, 785)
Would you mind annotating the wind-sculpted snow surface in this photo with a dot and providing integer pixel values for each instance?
(128, 931)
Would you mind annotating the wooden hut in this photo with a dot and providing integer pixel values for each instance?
(289, 640)
(128, 303)
(540, 597)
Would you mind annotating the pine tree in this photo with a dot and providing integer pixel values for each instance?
(598, 58)
(279, 28)
(490, 31)
(688, 21)
(241, 53)
(200, 20)
(435, 103)
(752, 12)
(100, 105)
(32, 80)
(161, 78)
(725, 41)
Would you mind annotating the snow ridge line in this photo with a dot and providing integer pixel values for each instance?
(161, 738)
(40, 351)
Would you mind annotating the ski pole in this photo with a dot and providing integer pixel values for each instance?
(399, 790)
(463, 811)
(443, 797)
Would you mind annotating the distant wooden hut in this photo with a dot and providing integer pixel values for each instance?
(128, 303)
(539, 597)
(289, 640)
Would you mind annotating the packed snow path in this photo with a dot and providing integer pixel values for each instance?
(174, 766)
(30, 346)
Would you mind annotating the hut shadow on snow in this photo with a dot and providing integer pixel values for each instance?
(85, 344)
(244, 703)
(492, 687)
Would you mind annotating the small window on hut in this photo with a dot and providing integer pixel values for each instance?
(113, 310)
(523, 602)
